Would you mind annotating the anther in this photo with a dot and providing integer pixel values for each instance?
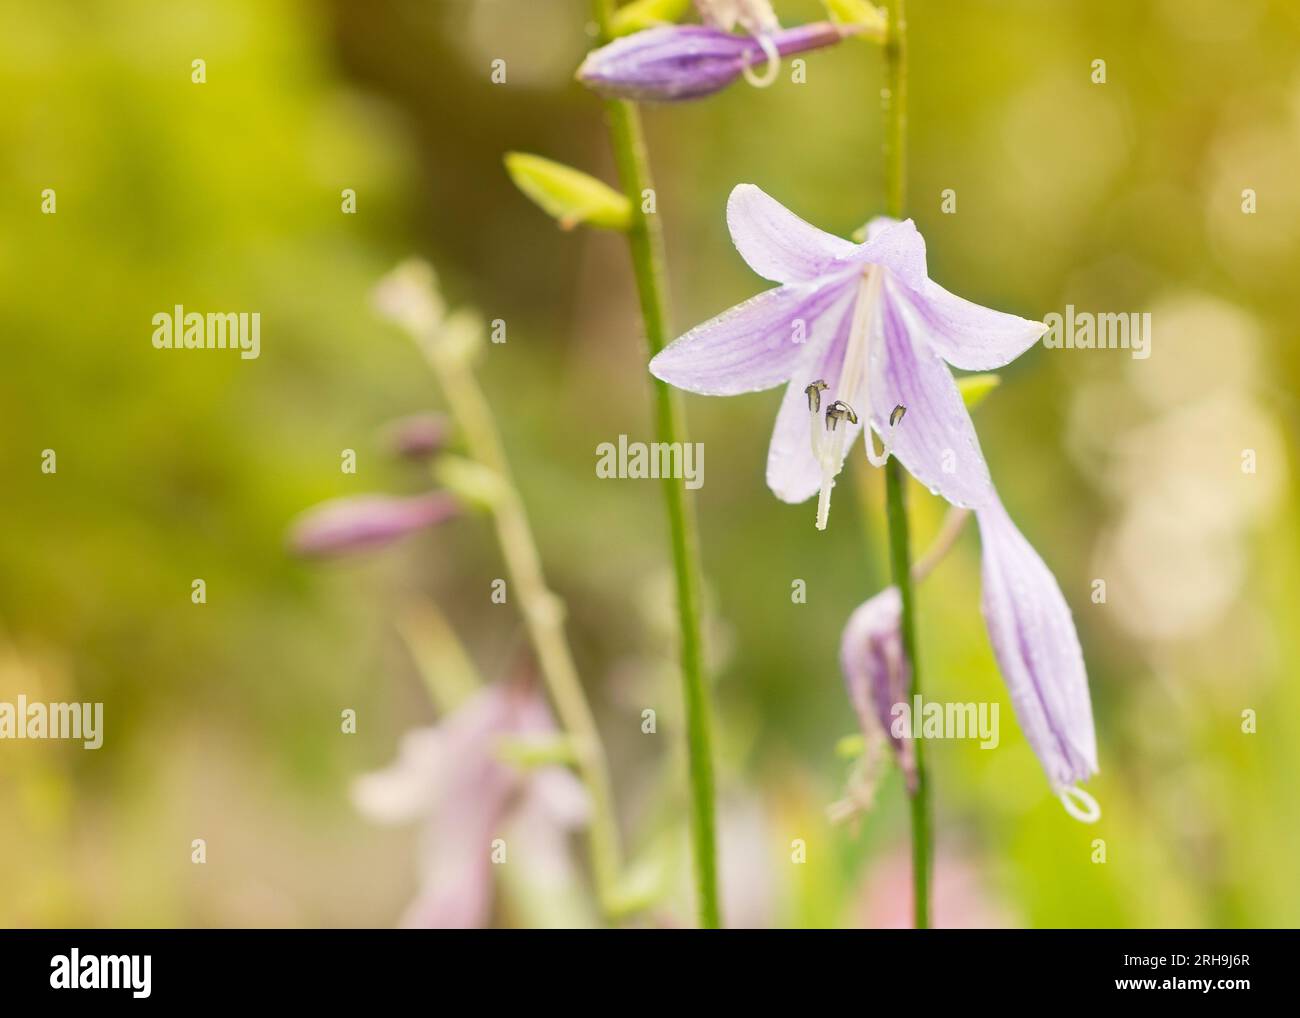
(839, 411)
(814, 392)
(896, 415)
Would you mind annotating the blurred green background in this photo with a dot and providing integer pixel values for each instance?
(222, 718)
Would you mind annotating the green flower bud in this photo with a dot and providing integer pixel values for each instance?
(568, 195)
(974, 388)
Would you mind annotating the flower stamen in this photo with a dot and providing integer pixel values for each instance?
(814, 392)
(832, 455)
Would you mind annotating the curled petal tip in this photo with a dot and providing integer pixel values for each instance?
(1079, 804)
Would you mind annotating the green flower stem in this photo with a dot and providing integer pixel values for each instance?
(646, 242)
(543, 614)
(894, 98)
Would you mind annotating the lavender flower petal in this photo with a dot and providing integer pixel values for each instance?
(776, 243)
(967, 335)
(362, 522)
(898, 246)
(935, 439)
(752, 346)
(678, 62)
(793, 474)
(1038, 651)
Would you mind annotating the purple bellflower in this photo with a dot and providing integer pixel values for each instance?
(449, 778)
(876, 671)
(364, 522)
(676, 62)
(863, 332)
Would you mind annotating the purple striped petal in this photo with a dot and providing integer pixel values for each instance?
(792, 472)
(752, 346)
(876, 671)
(1038, 651)
(935, 439)
(678, 62)
(965, 334)
(897, 246)
(777, 244)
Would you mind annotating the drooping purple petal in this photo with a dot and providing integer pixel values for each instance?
(1038, 651)
(777, 244)
(678, 62)
(752, 346)
(876, 671)
(965, 334)
(935, 438)
(363, 522)
(793, 473)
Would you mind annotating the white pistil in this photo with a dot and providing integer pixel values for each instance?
(857, 389)
(832, 458)
(853, 391)
(773, 63)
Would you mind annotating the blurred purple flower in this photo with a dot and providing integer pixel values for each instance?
(419, 436)
(450, 779)
(876, 671)
(961, 894)
(678, 62)
(862, 329)
(362, 522)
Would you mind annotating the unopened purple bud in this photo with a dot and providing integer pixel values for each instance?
(678, 62)
(876, 670)
(417, 437)
(363, 522)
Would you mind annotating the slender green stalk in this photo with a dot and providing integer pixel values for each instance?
(543, 614)
(894, 101)
(646, 242)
